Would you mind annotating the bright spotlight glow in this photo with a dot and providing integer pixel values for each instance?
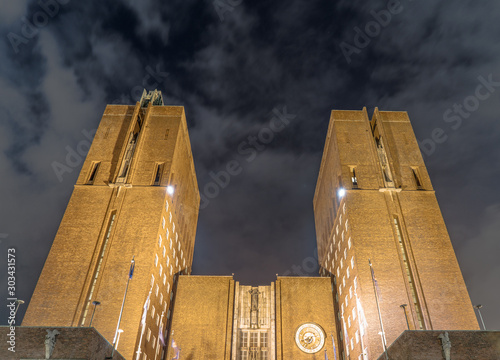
(170, 189)
(341, 192)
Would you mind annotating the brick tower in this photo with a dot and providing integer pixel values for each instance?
(137, 195)
(374, 200)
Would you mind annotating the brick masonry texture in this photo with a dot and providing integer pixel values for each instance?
(426, 345)
(72, 343)
(202, 319)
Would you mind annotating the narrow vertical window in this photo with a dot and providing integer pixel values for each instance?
(408, 273)
(127, 159)
(386, 174)
(354, 179)
(263, 339)
(244, 339)
(93, 172)
(254, 339)
(166, 134)
(157, 174)
(383, 160)
(416, 178)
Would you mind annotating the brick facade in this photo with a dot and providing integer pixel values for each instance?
(388, 214)
(122, 206)
(123, 210)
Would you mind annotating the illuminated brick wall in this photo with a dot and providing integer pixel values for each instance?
(389, 214)
(119, 210)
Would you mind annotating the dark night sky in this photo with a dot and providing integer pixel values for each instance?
(231, 73)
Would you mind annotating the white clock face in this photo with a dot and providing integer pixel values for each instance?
(310, 338)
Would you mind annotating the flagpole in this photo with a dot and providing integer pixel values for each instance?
(334, 349)
(378, 309)
(131, 273)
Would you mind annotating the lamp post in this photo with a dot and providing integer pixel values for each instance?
(19, 302)
(479, 306)
(95, 303)
(403, 306)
